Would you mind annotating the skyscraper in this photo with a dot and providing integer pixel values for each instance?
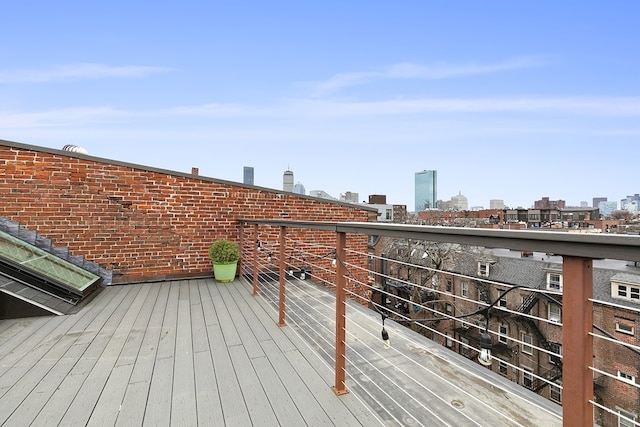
(248, 175)
(287, 181)
(597, 200)
(426, 190)
(299, 188)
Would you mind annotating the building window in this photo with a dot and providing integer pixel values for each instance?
(554, 281)
(556, 352)
(448, 308)
(555, 393)
(448, 285)
(464, 289)
(483, 269)
(628, 421)
(555, 313)
(527, 343)
(389, 214)
(502, 302)
(627, 292)
(624, 328)
(449, 342)
(503, 332)
(626, 377)
(527, 377)
(622, 291)
(502, 368)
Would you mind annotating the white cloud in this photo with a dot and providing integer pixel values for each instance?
(417, 71)
(210, 110)
(60, 118)
(591, 106)
(303, 112)
(77, 72)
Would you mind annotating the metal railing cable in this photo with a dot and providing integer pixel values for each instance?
(355, 364)
(297, 305)
(300, 253)
(362, 359)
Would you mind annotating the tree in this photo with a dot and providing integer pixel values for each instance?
(418, 266)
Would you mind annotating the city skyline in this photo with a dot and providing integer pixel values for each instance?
(499, 107)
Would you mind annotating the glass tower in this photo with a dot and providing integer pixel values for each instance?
(426, 187)
(248, 175)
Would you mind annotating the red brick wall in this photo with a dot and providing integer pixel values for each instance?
(610, 358)
(142, 223)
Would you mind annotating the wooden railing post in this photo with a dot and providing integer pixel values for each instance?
(281, 305)
(341, 318)
(577, 343)
(255, 260)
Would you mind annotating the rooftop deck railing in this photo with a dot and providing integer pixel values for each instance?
(337, 256)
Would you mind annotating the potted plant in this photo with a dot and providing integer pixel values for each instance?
(224, 255)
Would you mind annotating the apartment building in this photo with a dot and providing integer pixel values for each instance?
(525, 319)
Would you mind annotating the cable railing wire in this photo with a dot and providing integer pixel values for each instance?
(301, 332)
(358, 294)
(305, 253)
(362, 358)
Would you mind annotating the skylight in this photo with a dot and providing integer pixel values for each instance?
(33, 261)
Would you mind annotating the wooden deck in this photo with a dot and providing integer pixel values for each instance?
(182, 353)
(188, 353)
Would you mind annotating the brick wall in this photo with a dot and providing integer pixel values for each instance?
(142, 223)
(609, 357)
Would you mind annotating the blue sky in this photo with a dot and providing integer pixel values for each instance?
(507, 100)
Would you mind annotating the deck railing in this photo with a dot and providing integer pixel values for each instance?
(337, 255)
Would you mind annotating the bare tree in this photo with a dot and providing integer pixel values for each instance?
(419, 266)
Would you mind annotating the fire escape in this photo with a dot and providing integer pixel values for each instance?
(554, 373)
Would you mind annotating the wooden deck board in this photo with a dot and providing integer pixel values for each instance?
(268, 317)
(231, 399)
(304, 400)
(253, 391)
(243, 325)
(135, 337)
(158, 409)
(342, 411)
(7, 325)
(131, 332)
(183, 403)
(113, 336)
(207, 394)
(90, 344)
(135, 398)
(166, 354)
(283, 405)
(255, 314)
(229, 331)
(25, 349)
(39, 367)
(198, 326)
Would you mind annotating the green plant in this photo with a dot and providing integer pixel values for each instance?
(224, 252)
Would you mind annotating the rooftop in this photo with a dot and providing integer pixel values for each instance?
(203, 353)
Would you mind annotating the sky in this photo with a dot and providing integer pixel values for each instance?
(510, 100)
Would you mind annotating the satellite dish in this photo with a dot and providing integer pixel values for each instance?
(74, 149)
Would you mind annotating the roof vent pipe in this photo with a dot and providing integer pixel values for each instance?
(74, 149)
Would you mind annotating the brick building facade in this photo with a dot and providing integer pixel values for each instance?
(525, 327)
